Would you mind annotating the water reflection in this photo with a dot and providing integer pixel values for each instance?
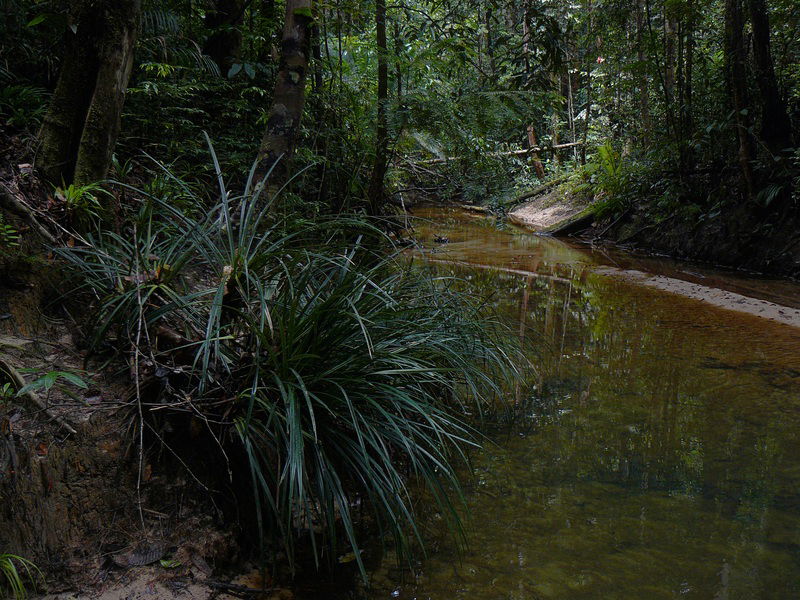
(661, 459)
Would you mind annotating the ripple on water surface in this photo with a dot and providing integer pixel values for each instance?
(662, 457)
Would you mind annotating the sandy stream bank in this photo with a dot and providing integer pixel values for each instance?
(549, 211)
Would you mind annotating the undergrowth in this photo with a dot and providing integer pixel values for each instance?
(338, 372)
(15, 573)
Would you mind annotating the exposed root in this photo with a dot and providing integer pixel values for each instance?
(10, 202)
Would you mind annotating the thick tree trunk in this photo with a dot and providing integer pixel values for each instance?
(286, 111)
(105, 110)
(81, 126)
(375, 193)
(225, 41)
(776, 129)
(735, 63)
(62, 126)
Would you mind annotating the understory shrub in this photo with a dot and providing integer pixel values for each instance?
(340, 373)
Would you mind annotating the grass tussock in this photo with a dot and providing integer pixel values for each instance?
(338, 373)
(15, 573)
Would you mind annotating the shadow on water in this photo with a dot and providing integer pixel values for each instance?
(662, 456)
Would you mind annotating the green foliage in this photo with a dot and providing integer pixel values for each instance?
(9, 236)
(166, 117)
(15, 571)
(81, 202)
(607, 178)
(340, 374)
(22, 106)
(49, 379)
(370, 375)
(7, 392)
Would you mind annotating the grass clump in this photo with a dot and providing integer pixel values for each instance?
(329, 375)
(15, 571)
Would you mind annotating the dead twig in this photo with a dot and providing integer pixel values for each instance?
(12, 203)
(19, 382)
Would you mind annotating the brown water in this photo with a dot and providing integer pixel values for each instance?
(659, 456)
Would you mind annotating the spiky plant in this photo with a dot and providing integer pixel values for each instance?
(339, 376)
(365, 378)
(15, 571)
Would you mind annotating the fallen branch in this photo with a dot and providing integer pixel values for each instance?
(19, 381)
(11, 203)
(534, 150)
(481, 210)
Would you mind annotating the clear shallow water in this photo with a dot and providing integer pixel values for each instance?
(661, 458)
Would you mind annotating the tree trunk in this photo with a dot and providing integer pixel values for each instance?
(105, 111)
(571, 114)
(533, 142)
(489, 41)
(555, 136)
(62, 126)
(736, 73)
(316, 52)
(644, 83)
(776, 129)
(589, 68)
(81, 126)
(689, 67)
(286, 111)
(398, 49)
(670, 36)
(526, 40)
(375, 194)
(225, 41)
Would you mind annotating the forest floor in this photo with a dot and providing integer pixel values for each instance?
(98, 517)
(72, 480)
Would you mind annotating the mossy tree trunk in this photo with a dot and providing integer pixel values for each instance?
(81, 126)
(286, 111)
(62, 127)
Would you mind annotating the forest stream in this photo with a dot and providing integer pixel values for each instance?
(657, 453)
